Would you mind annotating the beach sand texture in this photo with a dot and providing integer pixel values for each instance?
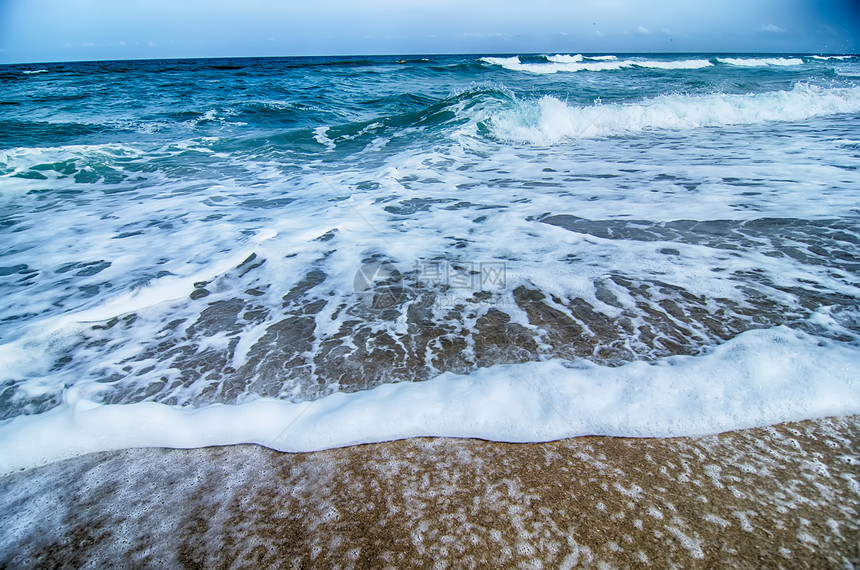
(784, 496)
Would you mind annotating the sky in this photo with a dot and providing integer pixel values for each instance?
(83, 30)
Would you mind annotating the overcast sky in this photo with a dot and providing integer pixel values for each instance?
(70, 30)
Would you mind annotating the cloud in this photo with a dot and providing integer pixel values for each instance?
(643, 30)
(772, 28)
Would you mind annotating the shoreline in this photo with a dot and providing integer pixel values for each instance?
(758, 378)
(783, 495)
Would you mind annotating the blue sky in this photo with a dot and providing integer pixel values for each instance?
(70, 30)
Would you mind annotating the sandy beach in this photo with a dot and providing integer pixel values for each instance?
(784, 496)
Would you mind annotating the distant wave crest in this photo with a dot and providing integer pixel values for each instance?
(561, 58)
(761, 62)
(575, 63)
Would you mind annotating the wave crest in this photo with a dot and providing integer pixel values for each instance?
(572, 64)
(760, 62)
(549, 120)
(561, 58)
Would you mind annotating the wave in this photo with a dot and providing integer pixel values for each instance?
(503, 61)
(332, 61)
(761, 377)
(514, 64)
(418, 112)
(561, 58)
(830, 57)
(34, 71)
(549, 120)
(47, 134)
(761, 62)
(684, 64)
(572, 64)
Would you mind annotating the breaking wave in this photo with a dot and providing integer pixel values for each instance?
(549, 120)
(760, 62)
(574, 63)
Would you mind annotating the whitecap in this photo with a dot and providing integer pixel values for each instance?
(573, 64)
(321, 137)
(503, 61)
(549, 120)
(760, 62)
(561, 58)
(683, 64)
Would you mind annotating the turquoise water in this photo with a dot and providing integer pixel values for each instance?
(194, 232)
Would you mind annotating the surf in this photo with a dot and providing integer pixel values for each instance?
(549, 120)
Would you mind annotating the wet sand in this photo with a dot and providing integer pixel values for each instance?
(785, 496)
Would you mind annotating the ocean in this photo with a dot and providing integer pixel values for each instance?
(308, 253)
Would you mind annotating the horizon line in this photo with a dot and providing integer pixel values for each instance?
(437, 54)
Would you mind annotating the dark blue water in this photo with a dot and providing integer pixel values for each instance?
(267, 99)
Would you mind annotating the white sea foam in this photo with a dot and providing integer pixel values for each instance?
(549, 120)
(829, 57)
(761, 377)
(34, 71)
(602, 57)
(514, 64)
(573, 64)
(501, 60)
(562, 58)
(321, 136)
(760, 62)
(156, 292)
(684, 64)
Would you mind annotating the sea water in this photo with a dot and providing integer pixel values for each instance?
(313, 252)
